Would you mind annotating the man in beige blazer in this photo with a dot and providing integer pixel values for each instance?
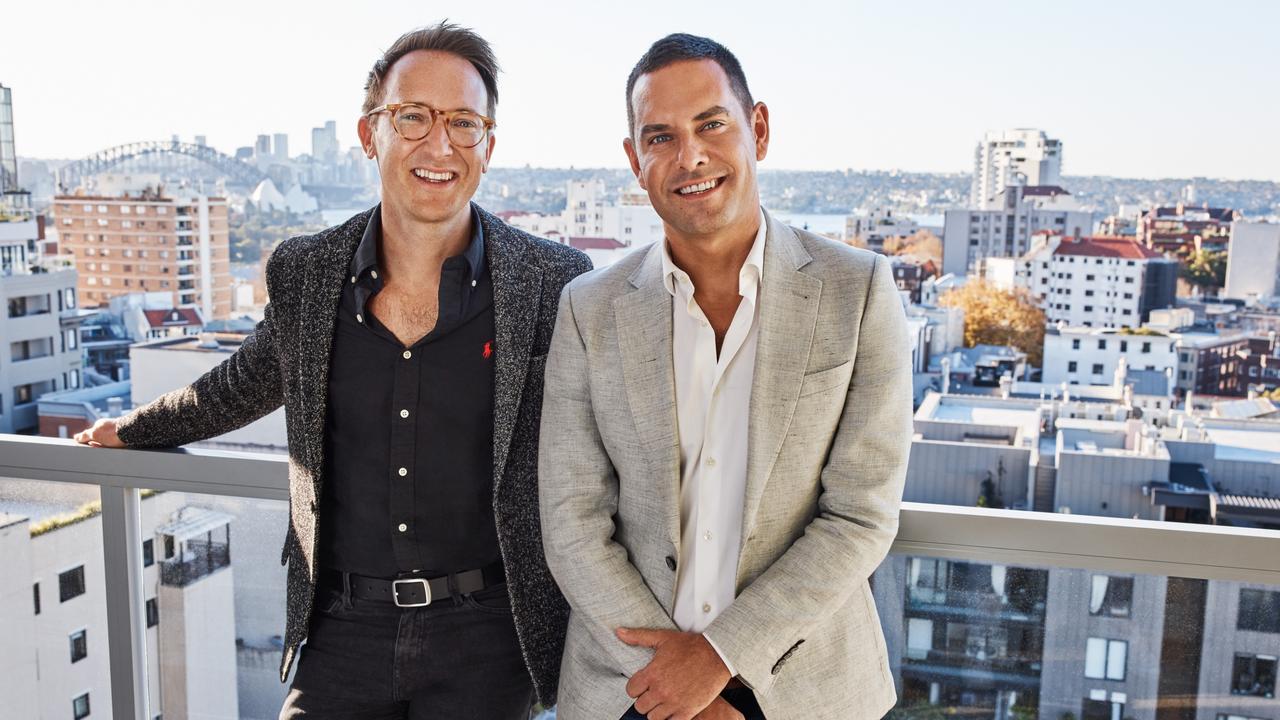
(725, 431)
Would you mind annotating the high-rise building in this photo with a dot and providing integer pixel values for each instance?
(324, 142)
(281, 146)
(262, 147)
(149, 241)
(8, 152)
(1008, 228)
(1006, 158)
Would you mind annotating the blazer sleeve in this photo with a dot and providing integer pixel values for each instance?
(857, 513)
(578, 498)
(241, 389)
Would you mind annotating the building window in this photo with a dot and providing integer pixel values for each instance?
(1146, 346)
(1254, 675)
(71, 584)
(1097, 368)
(1071, 366)
(148, 552)
(1259, 611)
(35, 596)
(153, 613)
(1099, 708)
(1111, 596)
(1105, 659)
(80, 707)
(79, 646)
(1102, 344)
(1124, 346)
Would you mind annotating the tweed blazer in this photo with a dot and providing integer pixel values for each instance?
(287, 361)
(829, 434)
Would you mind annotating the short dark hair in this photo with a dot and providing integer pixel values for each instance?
(682, 46)
(442, 37)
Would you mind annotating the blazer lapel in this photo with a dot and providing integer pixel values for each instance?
(321, 297)
(643, 317)
(788, 316)
(517, 295)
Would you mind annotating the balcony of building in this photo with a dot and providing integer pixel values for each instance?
(987, 613)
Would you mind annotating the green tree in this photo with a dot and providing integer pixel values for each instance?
(1206, 269)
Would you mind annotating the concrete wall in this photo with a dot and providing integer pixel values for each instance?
(952, 472)
(1109, 484)
(1222, 640)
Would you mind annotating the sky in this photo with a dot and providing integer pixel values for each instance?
(1132, 88)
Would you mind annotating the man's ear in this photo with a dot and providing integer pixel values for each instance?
(760, 127)
(365, 130)
(629, 147)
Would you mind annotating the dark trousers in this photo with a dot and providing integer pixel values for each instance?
(455, 658)
(740, 698)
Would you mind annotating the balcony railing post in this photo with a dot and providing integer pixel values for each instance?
(126, 623)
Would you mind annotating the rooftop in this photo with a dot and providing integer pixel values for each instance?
(217, 343)
(174, 317)
(1111, 247)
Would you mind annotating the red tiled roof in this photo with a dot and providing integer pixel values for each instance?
(177, 317)
(1106, 247)
(595, 243)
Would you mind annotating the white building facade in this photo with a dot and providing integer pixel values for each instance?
(1091, 356)
(1006, 158)
(1008, 229)
(1253, 261)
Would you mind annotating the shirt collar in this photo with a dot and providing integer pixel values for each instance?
(366, 257)
(749, 276)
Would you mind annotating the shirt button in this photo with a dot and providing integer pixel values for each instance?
(374, 273)
(406, 354)
(403, 527)
(403, 472)
(711, 462)
(358, 318)
(404, 413)
(473, 283)
(353, 278)
(706, 607)
(706, 535)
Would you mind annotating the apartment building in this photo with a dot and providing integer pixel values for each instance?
(1185, 228)
(1092, 356)
(1009, 158)
(39, 325)
(148, 240)
(1007, 227)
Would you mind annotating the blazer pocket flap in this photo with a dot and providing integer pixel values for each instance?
(826, 380)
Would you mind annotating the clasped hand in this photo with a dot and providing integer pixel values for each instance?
(683, 680)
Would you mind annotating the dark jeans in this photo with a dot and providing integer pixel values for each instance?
(740, 698)
(455, 659)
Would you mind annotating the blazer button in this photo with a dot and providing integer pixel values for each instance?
(671, 563)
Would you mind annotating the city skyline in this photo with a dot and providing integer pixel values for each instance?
(1132, 91)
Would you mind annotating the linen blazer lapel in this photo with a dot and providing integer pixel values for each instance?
(788, 317)
(517, 294)
(644, 340)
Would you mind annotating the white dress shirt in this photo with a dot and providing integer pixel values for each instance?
(713, 397)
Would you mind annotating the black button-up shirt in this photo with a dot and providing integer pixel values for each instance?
(409, 430)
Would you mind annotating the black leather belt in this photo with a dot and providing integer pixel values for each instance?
(418, 591)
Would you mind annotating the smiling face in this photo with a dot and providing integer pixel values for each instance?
(428, 180)
(694, 149)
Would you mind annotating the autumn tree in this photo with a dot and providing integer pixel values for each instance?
(921, 244)
(995, 316)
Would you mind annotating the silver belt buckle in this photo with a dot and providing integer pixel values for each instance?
(395, 592)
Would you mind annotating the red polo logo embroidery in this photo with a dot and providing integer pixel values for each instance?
(488, 350)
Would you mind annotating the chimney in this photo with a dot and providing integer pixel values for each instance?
(946, 376)
(1006, 385)
(208, 341)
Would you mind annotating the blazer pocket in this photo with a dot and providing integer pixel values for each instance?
(827, 380)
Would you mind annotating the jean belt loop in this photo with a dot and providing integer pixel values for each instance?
(453, 589)
(346, 590)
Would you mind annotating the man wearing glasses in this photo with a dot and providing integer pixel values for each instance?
(407, 346)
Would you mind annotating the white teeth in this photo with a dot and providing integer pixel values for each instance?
(700, 187)
(435, 176)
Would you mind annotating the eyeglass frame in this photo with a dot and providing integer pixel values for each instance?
(393, 108)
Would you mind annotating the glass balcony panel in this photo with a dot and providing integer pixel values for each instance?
(53, 618)
(987, 640)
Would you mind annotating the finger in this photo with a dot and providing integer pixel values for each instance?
(662, 712)
(645, 703)
(638, 684)
(640, 638)
(94, 443)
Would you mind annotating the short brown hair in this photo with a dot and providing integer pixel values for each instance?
(442, 37)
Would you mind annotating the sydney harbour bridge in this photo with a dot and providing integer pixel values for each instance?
(171, 159)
